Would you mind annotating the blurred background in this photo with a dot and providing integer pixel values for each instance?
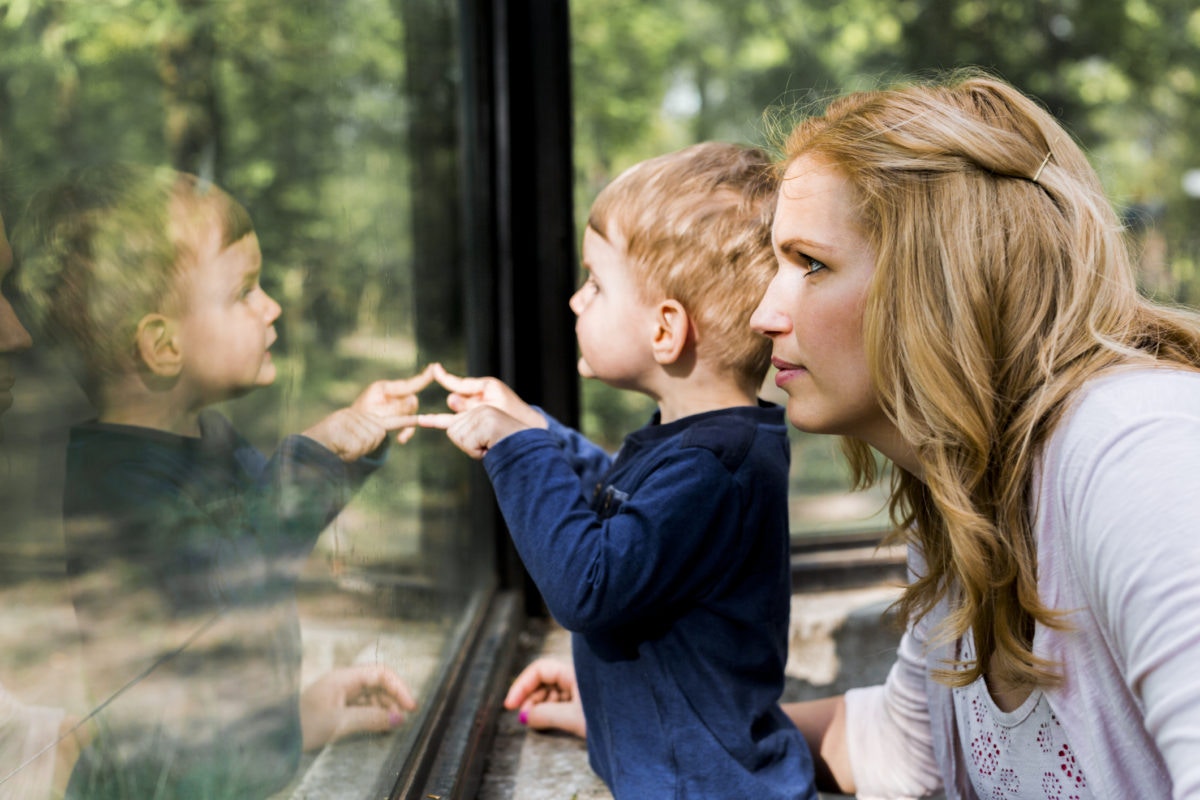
(339, 124)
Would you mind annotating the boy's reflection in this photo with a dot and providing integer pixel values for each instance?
(183, 541)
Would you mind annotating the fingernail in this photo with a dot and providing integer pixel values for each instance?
(394, 718)
(523, 717)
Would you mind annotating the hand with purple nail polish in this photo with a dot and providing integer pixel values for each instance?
(368, 698)
(547, 696)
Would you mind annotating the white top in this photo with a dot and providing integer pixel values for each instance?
(1018, 753)
(27, 736)
(1117, 527)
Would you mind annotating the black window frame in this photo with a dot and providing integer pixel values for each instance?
(520, 263)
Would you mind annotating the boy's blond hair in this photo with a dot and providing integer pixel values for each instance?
(696, 226)
(107, 246)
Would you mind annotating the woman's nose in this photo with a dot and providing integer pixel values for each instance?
(13, 336)
(767, 319)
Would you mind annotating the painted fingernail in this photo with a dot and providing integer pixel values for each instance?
(523, 717)
(394, 718)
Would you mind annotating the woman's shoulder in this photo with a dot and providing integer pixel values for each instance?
(1127, 434)
(1131, 397)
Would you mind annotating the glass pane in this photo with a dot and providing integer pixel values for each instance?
(226, 610)
(651, 77)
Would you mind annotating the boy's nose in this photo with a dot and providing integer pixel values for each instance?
(576, 302)
(272, 310)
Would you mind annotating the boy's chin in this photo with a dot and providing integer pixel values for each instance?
(266, 377)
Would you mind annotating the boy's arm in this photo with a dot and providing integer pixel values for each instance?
(668, 542)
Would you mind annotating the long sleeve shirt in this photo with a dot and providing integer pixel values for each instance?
(1117, 527)
(183, 554)
(670, 565)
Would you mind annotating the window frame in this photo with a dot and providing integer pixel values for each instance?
(519, 266)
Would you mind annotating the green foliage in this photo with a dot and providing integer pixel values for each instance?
(298, 109)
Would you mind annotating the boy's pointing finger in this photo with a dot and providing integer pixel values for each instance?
(439, 421)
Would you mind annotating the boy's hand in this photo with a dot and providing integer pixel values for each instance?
(384, 406)
(352, 700)
(476, 430)
(392, 400)
(547, 695)
(467, 393)
(352, 434)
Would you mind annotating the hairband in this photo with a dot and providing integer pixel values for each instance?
(1042, 166)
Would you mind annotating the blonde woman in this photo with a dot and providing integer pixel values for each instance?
(954, 292)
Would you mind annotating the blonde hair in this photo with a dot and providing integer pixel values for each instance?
(696, 226)
(1002, 284)
(105, 247)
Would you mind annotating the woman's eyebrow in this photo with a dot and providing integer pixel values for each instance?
(797, 245)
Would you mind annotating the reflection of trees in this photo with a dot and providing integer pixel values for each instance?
(298, 109)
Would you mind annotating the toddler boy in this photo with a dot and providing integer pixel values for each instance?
(670, 562)
(183, 541)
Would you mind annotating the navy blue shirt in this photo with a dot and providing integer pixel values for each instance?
(670, 566)
(183, 554)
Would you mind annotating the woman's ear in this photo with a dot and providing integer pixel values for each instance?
(158, 345)
(671, 332)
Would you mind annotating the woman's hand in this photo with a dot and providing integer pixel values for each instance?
(548, 698)
(353, 700)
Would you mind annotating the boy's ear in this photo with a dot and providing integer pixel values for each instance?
(672, 330)
(158, 345)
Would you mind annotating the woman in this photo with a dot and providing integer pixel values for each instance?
(955, 293)
(36, 750)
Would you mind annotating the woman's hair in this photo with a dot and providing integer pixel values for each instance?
(696, 226)
(104, 247)
(1002, 284)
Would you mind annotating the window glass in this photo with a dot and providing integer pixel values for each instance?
(650, 77)
(196, 591)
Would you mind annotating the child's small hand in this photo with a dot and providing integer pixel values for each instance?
(547, 695)
(352, 700)
(476, 430)
(391, 401)
(351, 434)
(467, 393)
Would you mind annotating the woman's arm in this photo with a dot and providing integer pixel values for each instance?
(823, 724)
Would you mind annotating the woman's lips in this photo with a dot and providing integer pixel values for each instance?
(787, 371)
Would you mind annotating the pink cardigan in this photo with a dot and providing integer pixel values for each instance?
(1117, 526)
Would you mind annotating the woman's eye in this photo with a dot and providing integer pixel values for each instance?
(813, 266)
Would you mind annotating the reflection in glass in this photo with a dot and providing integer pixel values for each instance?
(169, 619)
